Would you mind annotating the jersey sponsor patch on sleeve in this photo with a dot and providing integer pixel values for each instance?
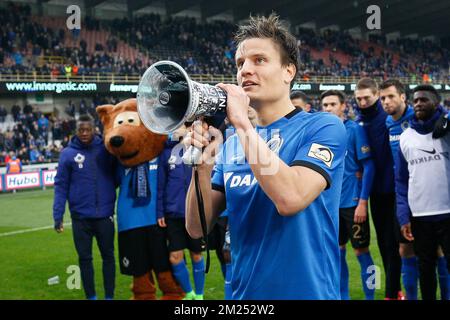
(322, 153)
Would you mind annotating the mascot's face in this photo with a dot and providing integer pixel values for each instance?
(126, 136)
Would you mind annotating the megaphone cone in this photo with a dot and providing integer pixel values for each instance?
(167, 98)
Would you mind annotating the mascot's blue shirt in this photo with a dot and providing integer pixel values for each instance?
(129, 217)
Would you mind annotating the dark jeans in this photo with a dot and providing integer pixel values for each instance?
(428, 235)
(384, 218)
(84, 230)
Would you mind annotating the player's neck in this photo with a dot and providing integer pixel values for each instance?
(400, 113)
(272, 111)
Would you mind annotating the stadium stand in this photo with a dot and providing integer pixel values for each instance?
(36, 46)
(37, 138)
(125, 47)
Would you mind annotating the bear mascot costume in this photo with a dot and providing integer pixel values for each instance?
(142, 243)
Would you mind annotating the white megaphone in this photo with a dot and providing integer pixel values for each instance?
(167, 98)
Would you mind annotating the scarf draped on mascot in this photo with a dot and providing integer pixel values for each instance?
(142, 243)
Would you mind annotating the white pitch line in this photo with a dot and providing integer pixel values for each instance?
(30, 230)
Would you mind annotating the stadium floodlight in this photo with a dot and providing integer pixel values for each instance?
(167, 98)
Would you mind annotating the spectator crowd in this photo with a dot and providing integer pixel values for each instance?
(202, 48)
(34, 137)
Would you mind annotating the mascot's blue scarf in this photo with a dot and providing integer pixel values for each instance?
(139, 185)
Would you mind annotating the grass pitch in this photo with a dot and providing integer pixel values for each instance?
(32, 252)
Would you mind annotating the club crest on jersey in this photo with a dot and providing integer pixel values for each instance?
(275, 143)
(365, 149)
(172, 162)
(79, 159)
(404, 125)
(322, 153)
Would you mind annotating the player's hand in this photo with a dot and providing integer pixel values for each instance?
(179, 133)
(59, 226)
(441, 127)
(237, 105)
(361, 212)
(206, 138)
(162, 222)
(407, 232)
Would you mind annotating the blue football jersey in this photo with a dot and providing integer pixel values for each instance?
(129, 217)
(357, 149)
(280, 257)
(396, 128)
(373, 120)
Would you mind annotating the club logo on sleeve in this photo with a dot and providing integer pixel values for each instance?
(365, 149)
(322, 153)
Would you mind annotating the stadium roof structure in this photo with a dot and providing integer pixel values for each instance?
(421, 17)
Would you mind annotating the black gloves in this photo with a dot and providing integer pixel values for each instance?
(442, 127)
(58, 225)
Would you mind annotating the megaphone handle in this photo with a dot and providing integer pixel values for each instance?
(192, 156)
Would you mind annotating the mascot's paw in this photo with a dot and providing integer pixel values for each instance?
(143, 287)
(170, 288)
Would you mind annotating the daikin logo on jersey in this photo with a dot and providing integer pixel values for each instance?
(237, 180)
(431, 157)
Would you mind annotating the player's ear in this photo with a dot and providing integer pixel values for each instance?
(290, 72)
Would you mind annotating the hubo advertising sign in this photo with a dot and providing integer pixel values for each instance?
(48, 177)
(22, 180)
(27, 180)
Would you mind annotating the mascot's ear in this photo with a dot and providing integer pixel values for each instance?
(103, 112)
